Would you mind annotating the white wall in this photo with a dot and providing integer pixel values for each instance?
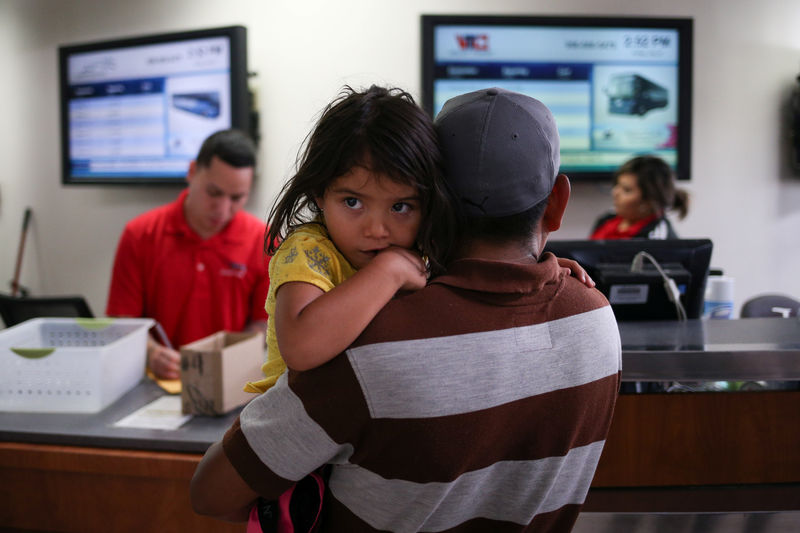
(747, 55)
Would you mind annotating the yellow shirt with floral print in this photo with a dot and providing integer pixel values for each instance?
(308, 255)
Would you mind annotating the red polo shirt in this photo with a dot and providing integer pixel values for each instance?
(193, 287)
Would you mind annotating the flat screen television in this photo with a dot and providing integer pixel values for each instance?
(136, 110)
(641, 293)
(618, 87)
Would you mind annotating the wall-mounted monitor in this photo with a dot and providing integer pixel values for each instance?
(137, 110)
(618, 87)
(640, 293)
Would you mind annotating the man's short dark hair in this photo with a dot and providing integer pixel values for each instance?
(233, 147)
(504, 229)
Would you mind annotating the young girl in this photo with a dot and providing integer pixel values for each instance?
(357, 217)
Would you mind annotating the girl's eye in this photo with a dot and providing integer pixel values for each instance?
(352, 202)
(401, 207)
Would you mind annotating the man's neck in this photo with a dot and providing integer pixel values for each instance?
(509, 252)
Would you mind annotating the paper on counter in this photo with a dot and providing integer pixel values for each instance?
(163, 413)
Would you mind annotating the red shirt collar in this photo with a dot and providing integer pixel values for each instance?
(610, 230)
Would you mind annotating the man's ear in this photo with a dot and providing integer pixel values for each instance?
(192, 171)
(557, 204)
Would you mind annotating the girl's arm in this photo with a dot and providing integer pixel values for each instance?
(313, 326)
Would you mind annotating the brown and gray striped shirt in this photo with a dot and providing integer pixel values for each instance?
(480, 403)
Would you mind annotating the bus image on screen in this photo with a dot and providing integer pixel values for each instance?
(632, 94)
(201, 104)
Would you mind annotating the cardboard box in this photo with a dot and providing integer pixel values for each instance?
(214, 370)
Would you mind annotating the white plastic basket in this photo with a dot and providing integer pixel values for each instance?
(70, 364)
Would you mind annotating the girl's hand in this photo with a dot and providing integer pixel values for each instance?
(575, 269)
(406, 265)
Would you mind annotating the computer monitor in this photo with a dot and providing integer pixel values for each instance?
(136, 110)
(618, 86)
(642, 293)
(14, 310)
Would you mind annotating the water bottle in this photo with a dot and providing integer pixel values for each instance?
(718, 298)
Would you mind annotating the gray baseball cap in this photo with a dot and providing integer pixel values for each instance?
(501, 151)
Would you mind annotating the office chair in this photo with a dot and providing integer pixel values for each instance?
(772, 305)
(14, 310)
(767, 305)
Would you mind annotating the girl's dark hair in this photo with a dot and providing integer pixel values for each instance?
(657, 183)
(384, 131)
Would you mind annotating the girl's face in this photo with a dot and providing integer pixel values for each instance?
(367, 212)
(627, 198)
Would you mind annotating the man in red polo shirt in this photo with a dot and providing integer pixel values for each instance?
(196, 265)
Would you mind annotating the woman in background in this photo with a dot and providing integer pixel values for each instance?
(644, 190)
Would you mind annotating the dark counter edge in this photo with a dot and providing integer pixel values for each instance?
(96, 429)
(776, 497)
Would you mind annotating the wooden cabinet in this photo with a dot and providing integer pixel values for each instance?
(84, 490)
(701, 452)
